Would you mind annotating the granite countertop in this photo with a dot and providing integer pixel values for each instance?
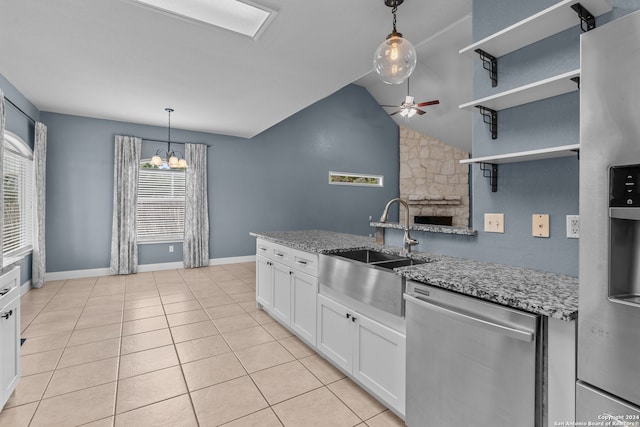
(430, 228)
(549, 294)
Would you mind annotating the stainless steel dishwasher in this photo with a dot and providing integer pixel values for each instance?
(470, 362)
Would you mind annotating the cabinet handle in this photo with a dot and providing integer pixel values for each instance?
(348, 316)
(302, 262)
(290, 273)
(4, 291)
(353, 318)
(263, 249)
(280, 255)
(7, 314)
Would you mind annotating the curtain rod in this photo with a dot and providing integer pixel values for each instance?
(175, 142)
(21, 110)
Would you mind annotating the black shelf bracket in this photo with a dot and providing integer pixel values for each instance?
(576, 80)
(587, 20)
(490, 64)
(490, 117)
(577, 153)
(490, 170)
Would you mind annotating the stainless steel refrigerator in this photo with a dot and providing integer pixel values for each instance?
(608, 388)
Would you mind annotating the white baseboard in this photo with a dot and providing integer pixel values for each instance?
(24, 288)
(143, 268)
(232, 260)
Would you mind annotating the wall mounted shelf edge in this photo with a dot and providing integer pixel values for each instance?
(536, 91)
(524, 156)
(489, 164)
(541, 25)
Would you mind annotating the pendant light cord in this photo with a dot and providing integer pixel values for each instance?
(394, 9)
(169, 110)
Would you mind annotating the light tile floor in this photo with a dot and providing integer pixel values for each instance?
(173, 348)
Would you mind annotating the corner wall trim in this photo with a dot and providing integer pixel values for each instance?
(143, 268)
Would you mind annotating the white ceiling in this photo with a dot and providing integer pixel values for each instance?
(113, 59)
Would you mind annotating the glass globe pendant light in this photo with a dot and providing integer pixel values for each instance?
(395, 59)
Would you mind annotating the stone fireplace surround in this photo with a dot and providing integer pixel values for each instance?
(432, 180)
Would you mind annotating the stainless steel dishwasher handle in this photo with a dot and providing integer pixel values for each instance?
(492, 326)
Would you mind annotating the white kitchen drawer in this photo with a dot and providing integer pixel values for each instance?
(282, 254)
(305, 262)
(274, 251)
(8, 284)
(264, 248)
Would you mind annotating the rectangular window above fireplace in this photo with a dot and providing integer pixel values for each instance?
(348, 178)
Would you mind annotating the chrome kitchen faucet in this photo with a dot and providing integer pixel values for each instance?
(407, 240)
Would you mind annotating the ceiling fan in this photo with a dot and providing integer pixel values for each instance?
(409, 108)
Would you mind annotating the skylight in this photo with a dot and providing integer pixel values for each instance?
(242, 17)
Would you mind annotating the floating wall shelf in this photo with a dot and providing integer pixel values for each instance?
(543, 89)
(547, 88)
(546, 23)
(489, 164)
(524, 156)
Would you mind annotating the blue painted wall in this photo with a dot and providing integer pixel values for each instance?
(548, 186)
(17, 123)
(277, 180)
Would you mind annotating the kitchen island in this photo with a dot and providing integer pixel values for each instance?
(370, 345)
(549, 294)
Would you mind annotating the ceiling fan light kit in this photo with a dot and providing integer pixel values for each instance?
(395, 59)
(409, 108)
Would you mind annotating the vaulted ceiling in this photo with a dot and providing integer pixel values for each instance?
(113, 59)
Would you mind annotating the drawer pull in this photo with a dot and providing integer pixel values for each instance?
(4, 291)
(302, 262)
(7, 314)
(263, 249)
(279, 254)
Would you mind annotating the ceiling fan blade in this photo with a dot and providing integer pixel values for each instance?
(390, 106)
(424, 104)
(420, 112)
(394, 113)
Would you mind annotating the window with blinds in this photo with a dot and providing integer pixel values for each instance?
(17, 230)
(160, 208)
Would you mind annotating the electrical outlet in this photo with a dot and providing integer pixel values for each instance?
(494, 223)
(170, 248)
(573, 226)
(540, 225)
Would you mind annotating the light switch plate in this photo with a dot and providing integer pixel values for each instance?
(540, 225)
(494, 223)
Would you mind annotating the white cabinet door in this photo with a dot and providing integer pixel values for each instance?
(282, 292)
(335, 328)
(379, 361)
(304, 291)
(10, 344)
(264, 282)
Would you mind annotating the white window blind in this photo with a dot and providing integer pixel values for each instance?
(160, 208)
(17, 231)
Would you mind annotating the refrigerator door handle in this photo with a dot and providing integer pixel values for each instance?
(473, 320)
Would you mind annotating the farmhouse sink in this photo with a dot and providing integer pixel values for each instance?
(367, 276)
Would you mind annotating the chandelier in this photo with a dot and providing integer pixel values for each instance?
(172, 159)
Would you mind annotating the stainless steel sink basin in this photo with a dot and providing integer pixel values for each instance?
(368, 256)
(367, 276)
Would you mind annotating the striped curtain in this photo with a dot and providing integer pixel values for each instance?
(195, 247)
(2, 118)
(124, 244)
(39, 261)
